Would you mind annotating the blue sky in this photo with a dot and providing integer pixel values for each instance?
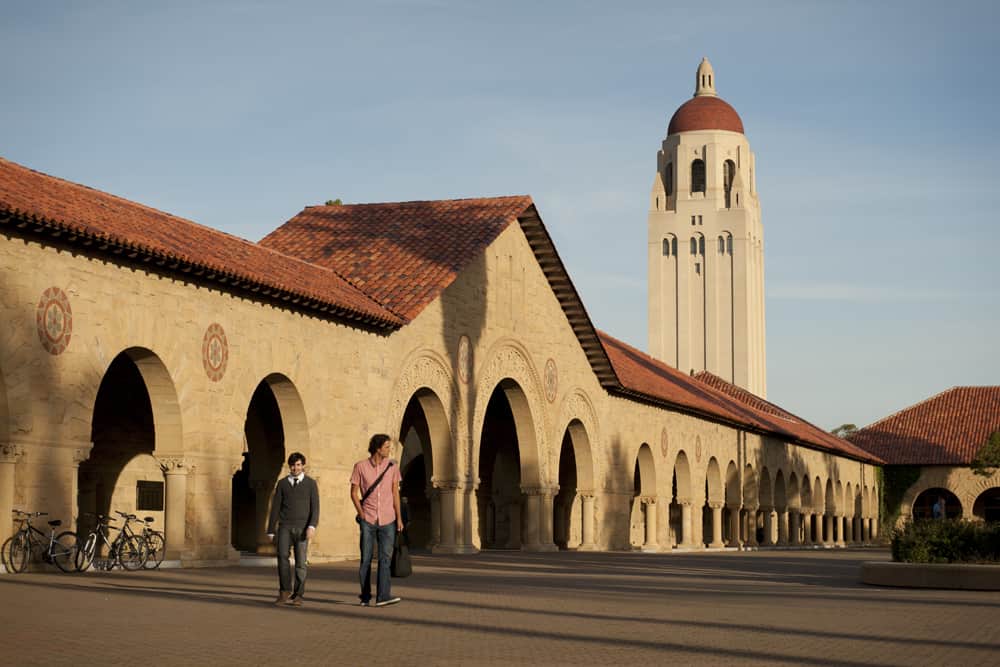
(874, 124)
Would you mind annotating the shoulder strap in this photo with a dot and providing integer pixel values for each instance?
(376, 483)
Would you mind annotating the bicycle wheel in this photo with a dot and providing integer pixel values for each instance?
(64, 551)
(85, 554)
(157, 548)
(18, 553)
(132, 552)
(3, 553)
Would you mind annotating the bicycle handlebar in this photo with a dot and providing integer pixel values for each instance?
(23, 513)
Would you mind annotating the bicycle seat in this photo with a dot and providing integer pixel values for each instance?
(149, 519)
(56, 523)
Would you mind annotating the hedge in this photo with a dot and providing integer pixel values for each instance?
(947, 541)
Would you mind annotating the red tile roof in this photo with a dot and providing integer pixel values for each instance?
(401, 254)
(104, 218)
(716, 399)
(946, 429)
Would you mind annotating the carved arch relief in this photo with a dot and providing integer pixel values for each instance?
(426, 370)
(508, 360)
(577, 406)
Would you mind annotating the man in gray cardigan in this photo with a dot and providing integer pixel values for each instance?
(294, 517)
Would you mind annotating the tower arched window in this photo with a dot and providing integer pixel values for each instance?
(694, 245)
(701, 246)
(728, 176)
(722, 246)
(698, 176)
(670, 246)
(729, 243)
(669, 178)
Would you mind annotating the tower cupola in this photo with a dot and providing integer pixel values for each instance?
(704, 80)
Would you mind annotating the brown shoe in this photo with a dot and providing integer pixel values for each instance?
(282, 598)
(294, 602)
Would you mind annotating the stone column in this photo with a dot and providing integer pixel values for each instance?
(175, 471)
(734, 525)
(872, 529)
(435, 502)
(783, 526)
(827, 537)
(841, 528)
(587, 508)
(262, 489)
(9, 454)
(716, 542)
(751, 526)
(807, 528)
(768, 526)
(650, 544)
(538, 519)
(449, 497)
(686, 530)
(794, 526)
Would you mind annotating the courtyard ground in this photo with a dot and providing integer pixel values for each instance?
(789, 607)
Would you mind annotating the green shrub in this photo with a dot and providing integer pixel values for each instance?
(947, 541)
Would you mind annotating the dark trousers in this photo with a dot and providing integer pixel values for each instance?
(385, 537)
(290, 537)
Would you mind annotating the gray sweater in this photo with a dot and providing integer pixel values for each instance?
(294, 506)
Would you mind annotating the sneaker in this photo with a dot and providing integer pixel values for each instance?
(294, 601)
(386, 603)
(366, 603)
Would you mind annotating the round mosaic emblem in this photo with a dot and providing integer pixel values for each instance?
(551, 380)
(54, 319)
(464, 358)
(215, 352)
(664, 443)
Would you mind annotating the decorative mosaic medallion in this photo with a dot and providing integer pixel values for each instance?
(664, 443)
(697, 449)
(464, 359)
(551, 380)
(215, 352)
(54, 319)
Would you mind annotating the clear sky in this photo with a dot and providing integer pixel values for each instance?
(875, 126)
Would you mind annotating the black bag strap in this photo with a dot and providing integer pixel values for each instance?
(375, 483)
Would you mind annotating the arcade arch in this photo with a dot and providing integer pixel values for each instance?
(682, 502)
(927, 505)
(274, 427)
(987, 505)
(573, 507)
(715, 499)
(643, 519)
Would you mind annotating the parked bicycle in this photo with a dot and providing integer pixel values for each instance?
(128, 549)
(58, 549)
(156, 545)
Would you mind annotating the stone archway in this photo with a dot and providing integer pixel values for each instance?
(987, 505)
(136, 463)
(427, 456)
(781, 508)
(936, 503)
(808, 509)
(829, 510)
(514, 510)
(682, 501)
(573, 507)
(794, 505)
(748, 514)
(274, 427)
(715, 498)
(763, 521)
(643, 520)
(731, 512)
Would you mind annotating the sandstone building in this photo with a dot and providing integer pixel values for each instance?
(151, 364)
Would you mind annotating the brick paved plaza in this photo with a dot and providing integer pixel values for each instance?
(506, 608)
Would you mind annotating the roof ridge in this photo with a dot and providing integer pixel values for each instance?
(418, 201)
(908, 408)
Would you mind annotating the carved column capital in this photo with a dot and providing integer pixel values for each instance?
(175, 465)
(540, 490)
(81, 454)
(445, 485)
(717, 505)
(10, 452)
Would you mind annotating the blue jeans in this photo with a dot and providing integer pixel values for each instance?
(385, 535)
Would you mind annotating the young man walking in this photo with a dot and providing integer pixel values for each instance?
(294, 517)
(375, 494)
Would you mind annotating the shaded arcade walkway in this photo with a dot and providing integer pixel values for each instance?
(509, 607)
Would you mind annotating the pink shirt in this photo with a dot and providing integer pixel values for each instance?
(377, 508)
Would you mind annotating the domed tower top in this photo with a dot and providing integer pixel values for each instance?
(706, 110)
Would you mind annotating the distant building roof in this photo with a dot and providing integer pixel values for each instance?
(641, 375)
(78, 214)
(947, 429)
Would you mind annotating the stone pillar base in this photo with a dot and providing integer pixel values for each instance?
(539, 547)
(454, 549)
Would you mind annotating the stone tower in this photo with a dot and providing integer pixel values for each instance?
(706, 244)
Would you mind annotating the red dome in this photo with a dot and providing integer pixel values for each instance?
(705, 112)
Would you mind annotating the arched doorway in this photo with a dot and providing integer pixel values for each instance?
(508, 460)
(643, 519)
(682, 498)
(712, 511)
(937, 503)
(987, 505)
(748, 529)
(275, 426)
(781, 508)
(764, 523)
(731, 512)
(426, 437)
(135, 415)
(572, 511)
